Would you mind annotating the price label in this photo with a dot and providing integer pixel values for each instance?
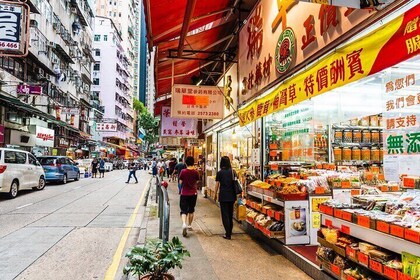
(335, 269)
(345, 229)
(319, 190)
(363, 258)
(396, 231)
(409, 182)
(375, 266)
(328, 223)
(369, 176)
(381, 177)
(382, 227)
(350, 252)
(329, 210)
(270, 213)
(395, 189)
(363, 221)
(274, 167)
(338, 213)
(346, 184)
(349, 277)
(384, 189)
(268, 198)
(390, 273)
(412, 235)
(347, 216)
(273, 153)
(355, 192)
(273, 146)
(321, 208)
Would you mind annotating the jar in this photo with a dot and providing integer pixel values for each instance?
(348, 136)
(357, 136)
(380, 121)
(354, 122)
(374, 120)
(381, 154)
(366, 138)
(375, 136)
(346, 154)
(364, 121)
(338, 154)
(356, 154)
(374, 154)
(365, 154)
(380, 136)
(338, 136)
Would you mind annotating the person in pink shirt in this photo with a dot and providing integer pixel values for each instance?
(188, 179)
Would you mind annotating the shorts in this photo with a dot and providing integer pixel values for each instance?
(187, 203)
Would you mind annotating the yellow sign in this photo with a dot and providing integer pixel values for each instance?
(347, 64)
(316, 201)
(316, 220)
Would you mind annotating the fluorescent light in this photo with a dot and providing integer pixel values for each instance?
(199, 82)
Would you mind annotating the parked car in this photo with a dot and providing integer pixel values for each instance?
(109, 166)
(19, 170)
(59, 168)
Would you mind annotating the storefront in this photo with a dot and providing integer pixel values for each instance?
(44, 140)
(345, 127)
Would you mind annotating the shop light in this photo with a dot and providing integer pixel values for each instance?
(199, 82)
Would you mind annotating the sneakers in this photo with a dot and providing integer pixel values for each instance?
(189, 228)
(184, 230)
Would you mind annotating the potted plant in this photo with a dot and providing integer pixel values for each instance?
(153, 260)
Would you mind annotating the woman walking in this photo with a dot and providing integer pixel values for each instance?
(101, 168)
(188, 179)
(94, 167)
(225, 192)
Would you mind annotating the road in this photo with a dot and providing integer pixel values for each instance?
(73, 231)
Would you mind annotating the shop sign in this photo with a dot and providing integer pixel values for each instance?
(1, 134)
(197, 102)
(29, 90)
(21, 138)
(44, 137)
(381, 49)
(106, 127)
(174, 127)
(63, 143)
(14, 19)
(70, 111)
(280, 35)
(170, 141)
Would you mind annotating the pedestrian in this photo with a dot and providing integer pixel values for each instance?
(161, 168)
(172, 164)
(94, 167)
(132, 167)
(154, 167)
(225, 194)
(101, 168)
(167, 162)
(177, 171)
(188, 179)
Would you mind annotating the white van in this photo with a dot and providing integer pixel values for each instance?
(19, 170)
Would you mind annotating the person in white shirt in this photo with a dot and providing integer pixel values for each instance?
(167, 167)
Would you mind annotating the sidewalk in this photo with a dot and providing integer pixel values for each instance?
(213, 257)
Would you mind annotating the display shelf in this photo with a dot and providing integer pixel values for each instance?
(357, 127)
(362, 145)
(386, 241)
(357, 162)
(266, 198)
(273, 235)
(287, 163)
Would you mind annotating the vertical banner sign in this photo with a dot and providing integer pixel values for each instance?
(197, 102)
(14, 28)
(174, 127)
(394, 42)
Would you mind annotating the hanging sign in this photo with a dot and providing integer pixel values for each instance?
(28, 89)
(106, 127)
(174, 127)
(394, 42)
(197, 102)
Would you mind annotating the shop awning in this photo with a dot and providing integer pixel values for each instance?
(14, 102)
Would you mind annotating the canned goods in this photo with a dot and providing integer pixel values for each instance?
(381, 154)
(374, 154)
(375, 136)
(354, 122)
(366, 154)
(374, 120)
(365, 121)
(380, 136)
(348, 136)
(366, 138)
(338, 136)
(338, 154)
(356, 154)
(346, 154)
(357, 136)
(381, 121)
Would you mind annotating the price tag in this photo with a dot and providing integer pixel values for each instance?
(396, 231)
(338, 213)
(328, 223)
(363, 258)
(270, 213)
(321, 208)
(346, 184)
(274, 166)
(382, 227)
(381, 177)
(350, 252)
(347, 216)
(390, 272)
(409, 182)
(369, 176)
(355, 192)
(400, 275)
(268, 198)
(384, 189)
(375, 266)
(412, 235)
(335, 269)
(349, 277)
(273, 146)
(273, 153)
(329, 210)
(345, 229)
(319, 190)
(363, 221)
(395, 189)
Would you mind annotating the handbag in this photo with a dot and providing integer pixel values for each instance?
(236, 184)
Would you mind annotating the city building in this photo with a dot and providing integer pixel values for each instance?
(45, 96)
(150, 83)
(111, 84)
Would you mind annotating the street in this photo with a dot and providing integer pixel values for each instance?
(80, 230)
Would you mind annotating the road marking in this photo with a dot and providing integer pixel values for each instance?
(116, 259)
(23, 206)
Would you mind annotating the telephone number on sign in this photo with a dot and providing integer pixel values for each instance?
(9, 45)
(208, 113)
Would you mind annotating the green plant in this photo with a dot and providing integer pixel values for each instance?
(156, 258)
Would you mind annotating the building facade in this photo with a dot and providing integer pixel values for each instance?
(150, 83)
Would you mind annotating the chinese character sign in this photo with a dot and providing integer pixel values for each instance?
(176, 127)
(197, 102)
(102, 127)
(10, 26)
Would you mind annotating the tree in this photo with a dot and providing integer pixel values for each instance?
(150, 125)
(138, 106)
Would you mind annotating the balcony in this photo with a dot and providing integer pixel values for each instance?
(82, 9)
(131, 31)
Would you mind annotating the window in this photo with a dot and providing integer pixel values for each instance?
(105, 37)
(119, 14)
(97, 38)
(97, 52)
(96, 81)
(61, 161)
(115, 14)
(110, 14)
(97, 67)
(32, 160)
(47, 161)
(14, 157)
(20, 158)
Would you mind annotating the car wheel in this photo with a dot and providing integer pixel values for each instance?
(64, 179)
(77, 177)
(14, 188)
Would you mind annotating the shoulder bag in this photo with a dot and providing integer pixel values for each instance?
(236, 184)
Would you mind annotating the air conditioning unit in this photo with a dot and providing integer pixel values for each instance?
(55, 60)
(73, 10)
(56, 25)
(33, 23)
(51, 44)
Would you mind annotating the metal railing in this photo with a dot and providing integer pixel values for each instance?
(162, 199)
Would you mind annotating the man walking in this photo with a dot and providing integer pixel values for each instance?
(178, 168)
(132, 171)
